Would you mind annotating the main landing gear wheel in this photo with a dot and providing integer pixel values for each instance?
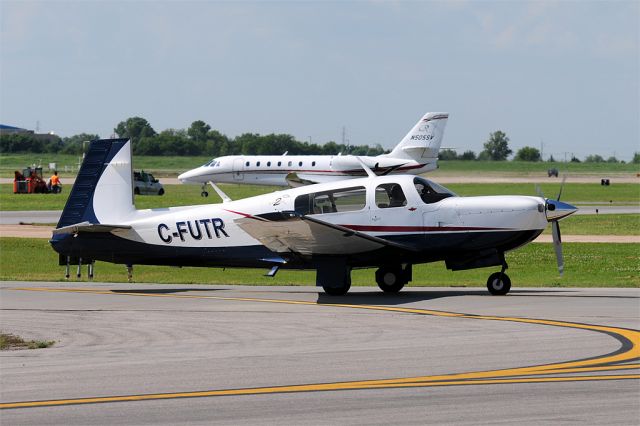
(499, 284)
(337, 291)
(390, 280)
(204, 194)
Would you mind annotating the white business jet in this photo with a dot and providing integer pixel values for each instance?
(416, 153)
(386, 222)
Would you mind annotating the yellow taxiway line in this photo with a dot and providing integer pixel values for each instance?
(629, 351)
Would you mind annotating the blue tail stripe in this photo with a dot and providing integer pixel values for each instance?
(79, 206)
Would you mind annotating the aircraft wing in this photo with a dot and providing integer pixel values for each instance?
(88, 227)
(308, 236)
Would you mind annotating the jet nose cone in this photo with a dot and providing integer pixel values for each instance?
(556, 210)
(187, 177)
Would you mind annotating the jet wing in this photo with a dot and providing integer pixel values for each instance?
(308, 236)
(88, 227)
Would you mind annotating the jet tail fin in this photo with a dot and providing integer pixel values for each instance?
(423, 142)
(102, 192)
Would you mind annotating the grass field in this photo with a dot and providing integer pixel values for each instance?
(172, 166)
(186, 195)
(604, 224)
(586, 265)
(160, 165)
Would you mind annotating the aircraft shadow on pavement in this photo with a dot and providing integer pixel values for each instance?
(404, 297)
(163, 290)
(376, 297)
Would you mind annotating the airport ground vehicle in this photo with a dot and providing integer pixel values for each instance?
(145, 184)
(30, 181)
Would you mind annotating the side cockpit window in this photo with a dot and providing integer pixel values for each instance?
(431, 192)
(335, 201)
(390, 195)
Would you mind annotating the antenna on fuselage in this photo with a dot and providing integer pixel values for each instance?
(365, 167)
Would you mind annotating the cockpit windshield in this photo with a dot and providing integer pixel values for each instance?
(212, 163)
(431, 192)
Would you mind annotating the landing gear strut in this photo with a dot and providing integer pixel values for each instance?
(499, 283)
(391, 279)
(204, 193)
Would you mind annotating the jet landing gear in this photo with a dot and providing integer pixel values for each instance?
(391, 279)
(204, 193)
(499, 283)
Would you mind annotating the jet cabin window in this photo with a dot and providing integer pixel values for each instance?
(431, 192)
(390, 195)
(336, 201)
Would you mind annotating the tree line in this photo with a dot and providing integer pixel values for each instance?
(198, 140)
(201, 140)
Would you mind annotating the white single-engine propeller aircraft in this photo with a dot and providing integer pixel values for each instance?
(385, 222)
(416, 153)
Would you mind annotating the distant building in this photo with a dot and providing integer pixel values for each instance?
(8, 130)
(11, 130)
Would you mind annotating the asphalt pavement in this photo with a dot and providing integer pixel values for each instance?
(190, 354)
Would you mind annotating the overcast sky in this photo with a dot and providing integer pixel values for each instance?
(562, 73)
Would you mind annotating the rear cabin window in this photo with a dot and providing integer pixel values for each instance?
(390, 195)
(336, 201)
(247, 164)
(290, 163)
(431, 192)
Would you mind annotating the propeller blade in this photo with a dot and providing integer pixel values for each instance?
(564, 178)
(557, 245)
(539, 191)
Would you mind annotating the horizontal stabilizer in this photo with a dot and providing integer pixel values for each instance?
(88, 227)
(308, 236)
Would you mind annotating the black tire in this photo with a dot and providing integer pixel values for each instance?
(390, 280)
(499, 284)
(204, 194)
(161, 192)
(339, 291)
(136, 191)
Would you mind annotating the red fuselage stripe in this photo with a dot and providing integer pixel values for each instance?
(373, 228)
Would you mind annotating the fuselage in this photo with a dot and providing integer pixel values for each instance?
(275, 169)
(437, 224)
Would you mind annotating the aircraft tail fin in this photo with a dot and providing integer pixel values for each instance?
(102, 192)
(423, 142)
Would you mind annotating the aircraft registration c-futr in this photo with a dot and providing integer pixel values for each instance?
(386, 222)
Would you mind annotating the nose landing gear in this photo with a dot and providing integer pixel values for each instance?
(499, 283)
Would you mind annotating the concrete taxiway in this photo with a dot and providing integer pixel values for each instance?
(169, 354)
